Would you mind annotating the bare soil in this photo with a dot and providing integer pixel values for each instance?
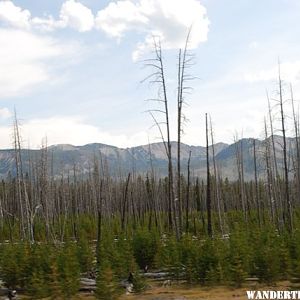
(202, 293)
(183, 292)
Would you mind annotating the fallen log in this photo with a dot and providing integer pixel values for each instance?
(87, 282)
(155, 275)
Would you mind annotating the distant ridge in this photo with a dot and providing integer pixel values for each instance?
(62, 158)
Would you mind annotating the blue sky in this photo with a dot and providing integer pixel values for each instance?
(73, 69)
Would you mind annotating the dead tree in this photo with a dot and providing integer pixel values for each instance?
(188, 193)
(277, 193)
(288, 204)
(125, 200)
(184, 62)
(296, 131)
(208, 188)
(270, 181)
(26, 224)
(158, 77)
(240, 169)
(216, 178)
(256, 183)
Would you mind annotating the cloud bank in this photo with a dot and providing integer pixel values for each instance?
(24, 60)
(76, 131)
(169, 20)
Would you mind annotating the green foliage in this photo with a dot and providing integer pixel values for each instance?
(145, 246)
(37, 286)
(237, 272)
(121, 257)
(14, 262)
(265, 257)
(168, 255)
(68, 270)
(84, 255)
(48, 270)
(139, 282)
(107, 287)
(206, 261)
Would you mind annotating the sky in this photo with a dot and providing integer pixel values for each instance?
(73, 70)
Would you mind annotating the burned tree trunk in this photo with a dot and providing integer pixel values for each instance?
(208, 189)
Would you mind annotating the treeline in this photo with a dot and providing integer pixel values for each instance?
(53, 210)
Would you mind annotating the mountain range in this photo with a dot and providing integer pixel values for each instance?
(63, 159)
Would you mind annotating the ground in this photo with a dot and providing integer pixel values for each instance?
(182, 292)
(157, 292)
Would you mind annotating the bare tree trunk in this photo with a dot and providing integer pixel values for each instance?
(179, 129)
(288, 205)
(125, 198)
(240, 169)
(216, 177)
(270, 189)
(256, 183)
(296, 126)
(276, 178)
(188, 194)
(208, 190)
(159, 75)
(182, 79)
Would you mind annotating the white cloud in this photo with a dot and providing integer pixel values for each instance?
(73, 14)
(168, 19)
(47, 23)
(14, 15)
(23, 60)
(119, 17)
(75, 131)
(77, 16)
(5, 113)
(290, 72)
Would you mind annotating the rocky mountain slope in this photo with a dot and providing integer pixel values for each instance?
(63, 159)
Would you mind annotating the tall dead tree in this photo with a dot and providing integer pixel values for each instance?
(187, 206)
(270, 181)
(288, 204)
(240, 168)
(216, 179)
(256, 183)
(184, 62)
(277, 193)
(26, 222)
(296, 131)
(125, 201)
(158, 77)
(18, 164)
(208, 188)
